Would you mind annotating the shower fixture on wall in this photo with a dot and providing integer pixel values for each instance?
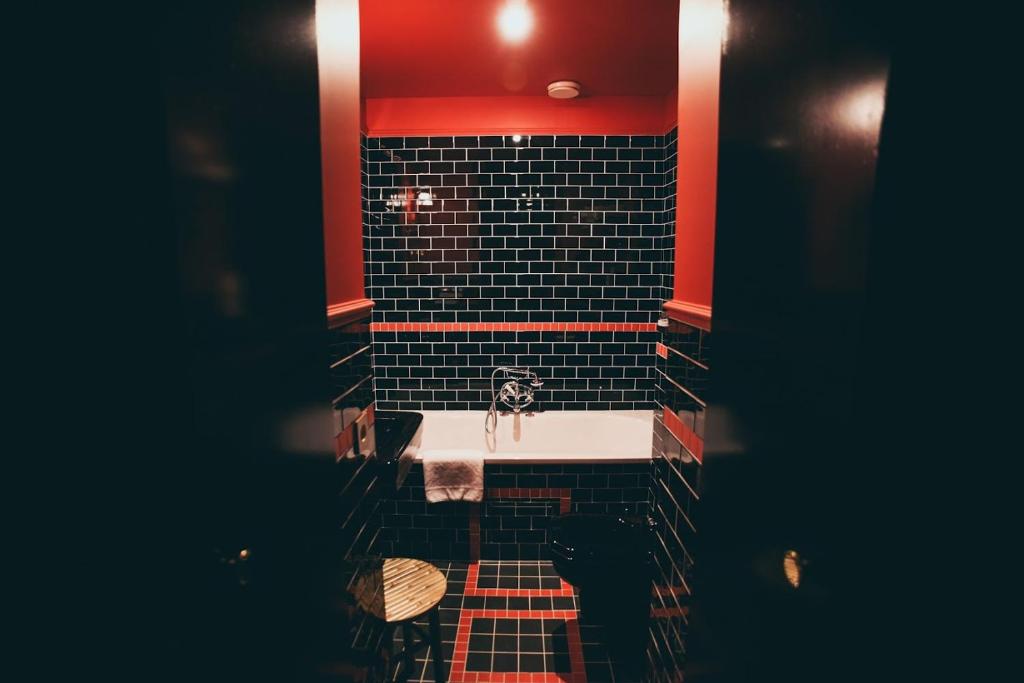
(516, 393)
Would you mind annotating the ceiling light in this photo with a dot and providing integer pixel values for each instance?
(515, 20)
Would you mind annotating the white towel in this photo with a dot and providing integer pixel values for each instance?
(453, 475)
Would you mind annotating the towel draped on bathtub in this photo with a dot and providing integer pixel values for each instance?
(453, 475)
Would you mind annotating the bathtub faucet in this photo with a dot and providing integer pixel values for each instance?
(516, 393)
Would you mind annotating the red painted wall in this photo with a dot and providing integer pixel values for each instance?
(700, 55)
(501, 115)
(338, 54)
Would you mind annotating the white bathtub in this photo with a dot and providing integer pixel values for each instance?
(560, 436)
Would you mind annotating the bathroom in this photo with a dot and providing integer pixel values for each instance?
(473, 265)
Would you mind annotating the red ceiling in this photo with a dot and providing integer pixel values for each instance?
(445, 48)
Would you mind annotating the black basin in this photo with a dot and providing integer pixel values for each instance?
(395, 431)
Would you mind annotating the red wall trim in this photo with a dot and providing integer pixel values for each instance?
(686, 436)
(513, 327)
(337, 23)
(689, 313)
(514, 114)
(701, 24)
(347, 311)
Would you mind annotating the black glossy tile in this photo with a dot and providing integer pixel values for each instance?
(481, 642)
(476, 661)
(505, 626)
(531, 662)
(506, 661)
(615, 192)
(531, 626)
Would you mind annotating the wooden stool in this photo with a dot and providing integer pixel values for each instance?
(400, 590)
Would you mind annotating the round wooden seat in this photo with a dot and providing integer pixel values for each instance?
(401, 590)
(398, 590)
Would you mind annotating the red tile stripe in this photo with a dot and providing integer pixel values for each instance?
(473, 590)
(684, 434)
(513, 327)
(458, 673)
(661, 350)
(345, 440)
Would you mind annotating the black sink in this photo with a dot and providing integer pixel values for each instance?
(395, 431)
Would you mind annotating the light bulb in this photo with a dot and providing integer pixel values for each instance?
(515, 21)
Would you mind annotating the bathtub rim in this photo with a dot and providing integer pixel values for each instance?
(512, 458)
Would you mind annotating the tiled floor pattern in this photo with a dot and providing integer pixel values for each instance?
(514, 622)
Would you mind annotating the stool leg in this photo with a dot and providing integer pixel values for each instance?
(389, 649)
(408, 661)
(435, 645)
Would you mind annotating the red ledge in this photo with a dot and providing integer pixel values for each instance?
(691, 314)
(347, 311)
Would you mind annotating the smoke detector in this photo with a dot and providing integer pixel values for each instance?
(563, 90)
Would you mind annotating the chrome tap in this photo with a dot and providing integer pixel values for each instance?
(516, 393)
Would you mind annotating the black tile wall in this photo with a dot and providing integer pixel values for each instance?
(596, 488)
(548, 229)
(440, 531)
(358, 498)
(675, 491)
(451, 370)
(357, 508)
(412, 527)
(516, 529)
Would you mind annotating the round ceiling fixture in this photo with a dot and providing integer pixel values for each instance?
(563, 90)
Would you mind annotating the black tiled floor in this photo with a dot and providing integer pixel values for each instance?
(509, 645)
(518, 645)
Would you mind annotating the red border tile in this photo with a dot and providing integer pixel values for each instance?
(683, 433)
(513, 327)
(473, 590)
(457, 667)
